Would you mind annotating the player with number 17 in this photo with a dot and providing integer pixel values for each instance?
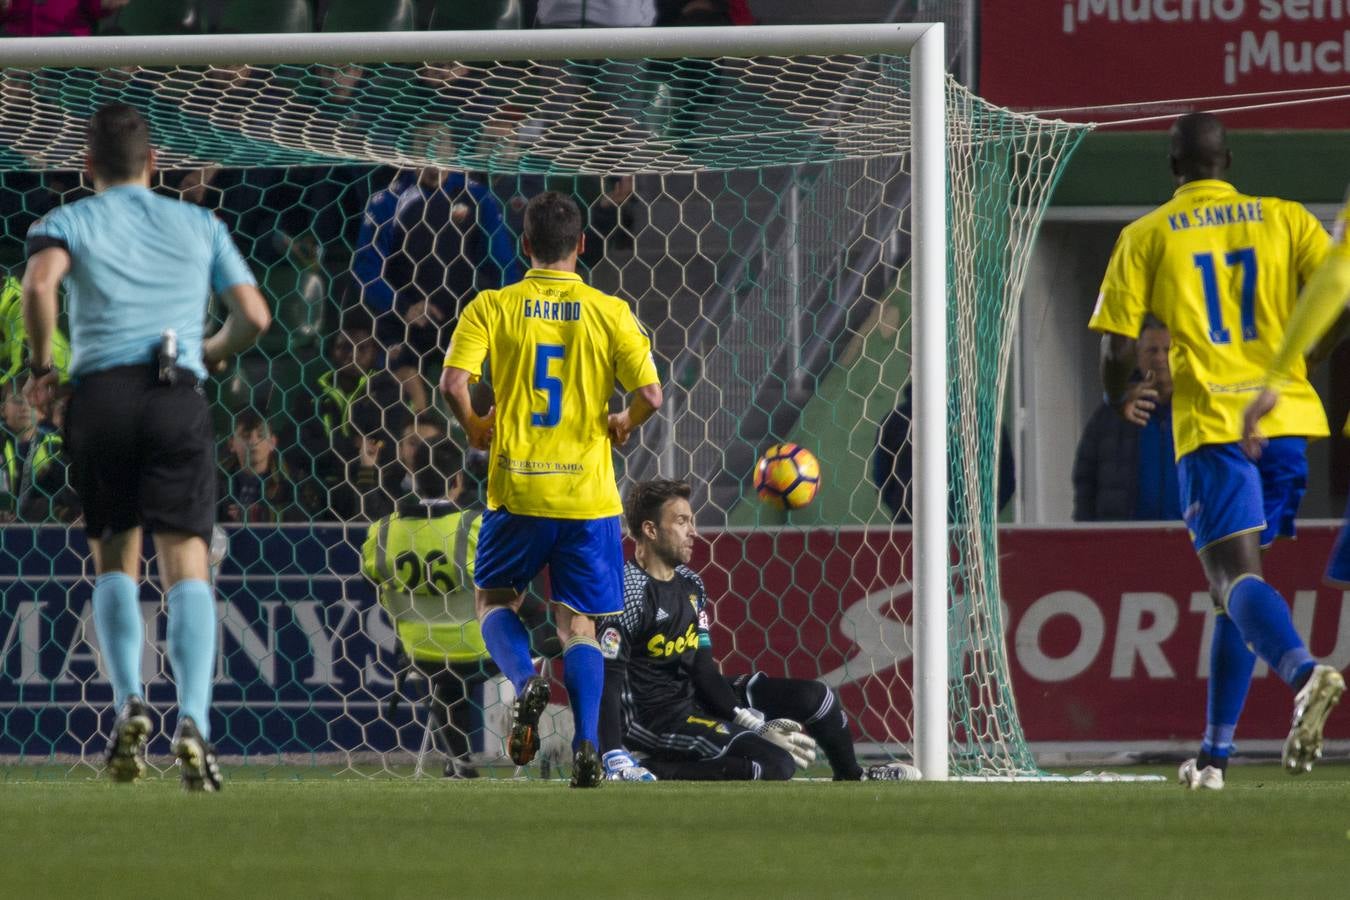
(1222, 271)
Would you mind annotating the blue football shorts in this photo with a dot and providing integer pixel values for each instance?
(1226, 493)
(1338, 567)
(584, 558)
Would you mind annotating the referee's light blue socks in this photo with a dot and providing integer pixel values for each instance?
(1262, 616)
(192, 649)
(584, 675)
(1230, 676)
(508, 643)
(121, 633)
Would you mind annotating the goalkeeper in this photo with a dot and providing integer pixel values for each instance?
(664, 693)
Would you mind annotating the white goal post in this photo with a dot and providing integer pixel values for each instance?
(922, 43)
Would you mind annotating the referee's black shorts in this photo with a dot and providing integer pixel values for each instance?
(141, 453)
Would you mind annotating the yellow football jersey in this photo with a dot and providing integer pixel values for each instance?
(1222, 271)
(1323, 301)
(554, 348)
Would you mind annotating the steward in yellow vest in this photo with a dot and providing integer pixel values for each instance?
(421, 559)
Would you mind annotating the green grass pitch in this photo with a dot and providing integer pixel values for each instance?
(315, 835)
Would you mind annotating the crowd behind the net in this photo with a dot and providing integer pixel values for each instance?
(320, 425)
(332, 404)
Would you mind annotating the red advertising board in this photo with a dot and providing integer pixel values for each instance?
(1107, 630)
(1162, 54)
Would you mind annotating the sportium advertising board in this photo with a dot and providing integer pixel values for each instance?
(1165, 54)
(1107, 633)
(1108, 629)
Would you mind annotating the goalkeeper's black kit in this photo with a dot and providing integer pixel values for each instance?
(665, 695)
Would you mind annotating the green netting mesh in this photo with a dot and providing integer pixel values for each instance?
(755, 211)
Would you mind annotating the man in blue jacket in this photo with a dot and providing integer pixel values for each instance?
(1125, 467)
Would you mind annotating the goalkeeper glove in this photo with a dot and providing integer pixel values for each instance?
(620, 766)
(783, 733)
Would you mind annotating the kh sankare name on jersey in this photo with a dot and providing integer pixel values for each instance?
(1221, 214)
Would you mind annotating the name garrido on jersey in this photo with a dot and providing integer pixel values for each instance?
(1218, 214)
(567, 311)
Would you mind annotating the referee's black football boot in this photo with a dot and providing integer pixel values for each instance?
(126, 749)
(196, 758)
(587, 771)
(523, 742)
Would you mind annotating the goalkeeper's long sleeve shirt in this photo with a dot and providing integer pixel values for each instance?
(659, 666)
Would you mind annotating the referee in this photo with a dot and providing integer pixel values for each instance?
(138, 269)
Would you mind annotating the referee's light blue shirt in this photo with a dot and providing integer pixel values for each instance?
(139, 264)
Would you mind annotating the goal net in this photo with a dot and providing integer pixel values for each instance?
(755, 207)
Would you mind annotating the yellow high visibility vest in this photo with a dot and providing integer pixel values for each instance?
(422, 565)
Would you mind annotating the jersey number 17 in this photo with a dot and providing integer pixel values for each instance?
(1245, 258)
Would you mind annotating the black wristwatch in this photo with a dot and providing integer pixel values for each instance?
(38, 371)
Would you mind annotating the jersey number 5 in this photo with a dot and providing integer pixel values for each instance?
(549, 384)
(1209, 278)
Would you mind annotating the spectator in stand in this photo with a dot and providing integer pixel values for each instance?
(1126, 464)
(450, 242)
(610, 218)
(893, 464)
(427, 430)
(702, 101)
(413, 358)
(16, 438)
(20, 440)
(342, 422)
(610, 88)
(46, 18)
(14, 336)
(375, 244)
(255, 483)
(371, 484)
(45, 492)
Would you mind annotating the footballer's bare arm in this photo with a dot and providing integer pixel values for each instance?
(455, 388)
